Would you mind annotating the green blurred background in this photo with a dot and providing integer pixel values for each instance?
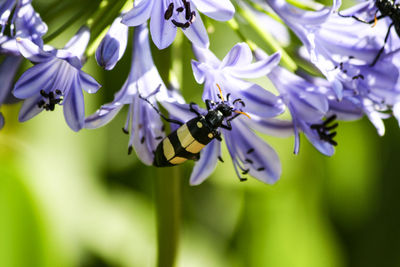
(77, 199)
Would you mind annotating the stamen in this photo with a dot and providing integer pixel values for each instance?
(323, 130)
(375, 21)
(159, 137)
(241, 112)
(251, 150)
(168, 13)
(130, 149)
(260, 169)
(249, 161)
(220, 159)
(220, 92)
(188, 11)
(125, 131)
(179, 9)
(142, 140)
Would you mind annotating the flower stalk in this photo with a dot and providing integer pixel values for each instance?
(168, 209)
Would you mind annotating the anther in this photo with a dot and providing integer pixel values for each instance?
(246, 171)
(163, 128)
(323, 130)
(188, 11)
(260, 169)
(220, 159)
(242, 179)
(159, 137)
(249, 161)
(179, 9)
(168, 13)
(142, 140)
(125, 131)
(130, 149)
(251, 150)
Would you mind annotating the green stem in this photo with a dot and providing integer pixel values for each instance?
(272, 44)
(168, 208)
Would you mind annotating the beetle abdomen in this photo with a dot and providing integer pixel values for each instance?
(184, 143)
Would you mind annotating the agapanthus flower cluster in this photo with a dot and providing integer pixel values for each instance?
(354, 51)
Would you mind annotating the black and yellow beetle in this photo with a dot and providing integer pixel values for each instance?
(191, 137)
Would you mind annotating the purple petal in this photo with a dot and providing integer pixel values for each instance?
(198, 73)
(38, 77)
(1, 121)
(77, 44)
(32, 51)
(312, 135)
(207, 163)
(258, 100)
(8, 69)
(239, 55)
(197, 33)
(146, 126)
(139, 14)
(258, 69)
(271, 126)
(263, 162)
(29, 108)
(88, 83)
(113, 45)
(74, 106)
(103, 116)
(221, 10)
(162, 32)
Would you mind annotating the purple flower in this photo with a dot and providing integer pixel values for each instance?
(249, 153)
(56, 78)
(113, 45)
(343, 50)
(28, 24)
(143, 122)
(168, 15)
(307, 106)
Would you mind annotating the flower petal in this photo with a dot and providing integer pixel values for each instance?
(258, 69)
(221, 10)
(103, 115)
(113, 45)
(162, 32)
(29, 108)
(257, 156)
(1, 121)
(239, 55)
(197, 33)
(206, 164)
(88, 83)
(271, 126)
(77, 44)
(8, 69)
(31, 51)
(74, 106)
(139, 14)
(38, 77)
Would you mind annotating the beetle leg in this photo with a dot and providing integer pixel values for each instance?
(192, 109)
(234, 116)
(218, 136)
(228, 126)
(372, 21)
(383, 47)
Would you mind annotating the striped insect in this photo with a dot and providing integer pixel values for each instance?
(191, 137)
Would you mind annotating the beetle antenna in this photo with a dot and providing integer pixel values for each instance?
(244, 113)
(220, 92)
